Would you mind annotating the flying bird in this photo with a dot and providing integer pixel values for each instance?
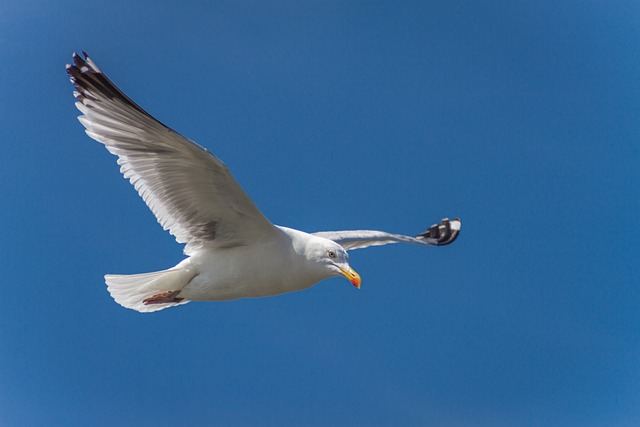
(233, 251)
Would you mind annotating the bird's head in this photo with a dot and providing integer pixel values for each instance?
(333, 260)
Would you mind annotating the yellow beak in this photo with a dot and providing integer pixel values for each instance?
(351, 275)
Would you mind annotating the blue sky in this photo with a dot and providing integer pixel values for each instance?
(519, 117)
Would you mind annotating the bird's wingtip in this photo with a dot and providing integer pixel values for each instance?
(444, 233)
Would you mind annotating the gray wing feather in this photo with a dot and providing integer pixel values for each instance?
(189, 190)
(437, 235)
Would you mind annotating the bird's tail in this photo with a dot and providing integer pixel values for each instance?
(149, 292)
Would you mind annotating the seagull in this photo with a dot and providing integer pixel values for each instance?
(233, 251)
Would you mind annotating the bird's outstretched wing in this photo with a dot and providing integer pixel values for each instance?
(437, 235)
(189, 190)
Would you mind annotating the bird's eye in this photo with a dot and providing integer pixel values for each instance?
(331, 253)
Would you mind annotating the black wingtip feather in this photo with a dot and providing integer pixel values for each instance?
(444, 233)
(77, 60)
(90, 81)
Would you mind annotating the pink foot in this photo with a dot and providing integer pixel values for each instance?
(163, 298)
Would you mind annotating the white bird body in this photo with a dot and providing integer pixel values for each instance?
(223, 274)
(233, 250)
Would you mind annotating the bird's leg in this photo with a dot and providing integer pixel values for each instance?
(163, 298)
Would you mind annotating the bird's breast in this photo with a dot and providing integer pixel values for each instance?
(245, 272)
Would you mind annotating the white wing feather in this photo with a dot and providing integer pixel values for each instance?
(437, 235)
(189, 190)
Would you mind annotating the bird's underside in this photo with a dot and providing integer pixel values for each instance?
(194, 197)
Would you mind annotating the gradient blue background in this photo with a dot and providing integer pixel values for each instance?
(522, 118)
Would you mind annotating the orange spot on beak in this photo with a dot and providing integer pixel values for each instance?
(351, 275)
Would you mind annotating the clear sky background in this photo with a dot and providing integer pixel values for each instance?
(522, 118)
